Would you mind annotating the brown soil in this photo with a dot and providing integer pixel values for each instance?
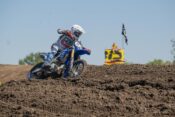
(102, 91)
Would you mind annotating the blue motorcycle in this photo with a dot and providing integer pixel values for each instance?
(73, 65)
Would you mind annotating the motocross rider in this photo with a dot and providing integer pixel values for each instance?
(64, 43)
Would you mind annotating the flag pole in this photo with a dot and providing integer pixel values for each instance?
(123, 42)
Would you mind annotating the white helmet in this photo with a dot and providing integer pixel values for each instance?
(77, 30)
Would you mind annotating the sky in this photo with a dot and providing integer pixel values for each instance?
(28, 26)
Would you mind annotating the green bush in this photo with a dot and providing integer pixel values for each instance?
(173, 50)
(159, 62)
(30, 59)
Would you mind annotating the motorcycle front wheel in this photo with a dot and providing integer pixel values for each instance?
(79, 67)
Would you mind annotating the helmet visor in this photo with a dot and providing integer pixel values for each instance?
(77, 33)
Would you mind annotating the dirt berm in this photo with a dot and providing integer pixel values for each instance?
(102, 91)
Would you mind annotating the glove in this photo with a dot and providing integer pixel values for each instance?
(88, 51)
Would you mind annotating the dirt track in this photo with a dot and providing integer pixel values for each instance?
(103, 91)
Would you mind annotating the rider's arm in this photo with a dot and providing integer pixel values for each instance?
(60, 31)
(66, 32)
(79, 45)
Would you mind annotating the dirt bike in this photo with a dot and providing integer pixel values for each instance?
(73, 65)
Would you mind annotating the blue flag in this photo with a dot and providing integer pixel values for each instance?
(124, 34)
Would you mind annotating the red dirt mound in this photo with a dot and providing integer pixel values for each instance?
(102, 91)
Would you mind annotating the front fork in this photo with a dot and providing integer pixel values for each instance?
(69, 66)
(72, 58)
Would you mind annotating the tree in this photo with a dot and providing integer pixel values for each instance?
(173, 50)
(31, 59)
(159, 62)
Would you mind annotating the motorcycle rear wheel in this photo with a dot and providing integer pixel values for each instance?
(36, 72)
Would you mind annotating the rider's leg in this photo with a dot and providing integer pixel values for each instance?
(63, 55)
(50, 55)
(49, 58)
(66, 71)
